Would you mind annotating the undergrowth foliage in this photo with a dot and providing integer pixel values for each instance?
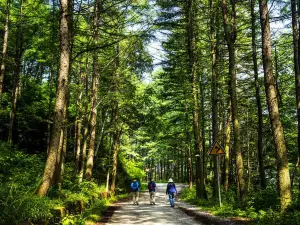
(262, 207)
(19, 205)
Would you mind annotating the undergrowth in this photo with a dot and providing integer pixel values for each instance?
(20, 174)
(261, 207)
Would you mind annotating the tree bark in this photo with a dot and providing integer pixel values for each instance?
(91, 152)
(230, 36)
(191, 50)
(16, 81)
(276, 79)
(227, 146)
(296, 69)
(85, 127)
(62, 90)
(258, 100)
(214, 91)
(284, 183)
(116, 138)
(5, 44)
(79, 118)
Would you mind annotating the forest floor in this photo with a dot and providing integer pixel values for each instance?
(124, 212)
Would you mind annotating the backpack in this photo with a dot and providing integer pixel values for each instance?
(171, 188)
(150, 186)
(135, 186)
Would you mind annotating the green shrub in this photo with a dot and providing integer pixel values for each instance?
(24, 208)
(93, 213)
(264, 199)
(73, 220)
(275, 218)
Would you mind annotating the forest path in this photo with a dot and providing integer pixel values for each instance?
(161, 213)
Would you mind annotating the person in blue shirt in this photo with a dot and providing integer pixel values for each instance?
(135, 188)
(171, 190)
(152, 189)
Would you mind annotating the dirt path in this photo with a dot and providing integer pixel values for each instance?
(160, 213)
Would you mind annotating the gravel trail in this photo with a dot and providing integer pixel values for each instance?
(161, 213)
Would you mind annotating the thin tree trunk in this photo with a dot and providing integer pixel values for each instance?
(101, 133)
(50, 107)
(78, 125)
(62, 149)
(5, 44)
(202, 113)
(191, 50)
(107, 181)
(297, 71)
(295, 171)
(258, 100)
(90, 159)
(84, 148)
(227, 147)
(230, 34)
(248, 137)
(276, 79)
(116, 138)
(62, 90)
(214, 97)
(16, 82)
(284, 182)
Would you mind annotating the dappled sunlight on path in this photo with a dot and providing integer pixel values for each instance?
(144, 213)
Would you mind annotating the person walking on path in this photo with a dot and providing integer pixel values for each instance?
(152, 189)
(135, 188)
(171, 190)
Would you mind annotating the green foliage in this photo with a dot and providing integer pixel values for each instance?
(17, 169)
(94, 212)
(73, 220)
(231, 207)
(263, 199)
(85, 191)
(18, 204)
(271, 217)
(18, 208)
(132, 168)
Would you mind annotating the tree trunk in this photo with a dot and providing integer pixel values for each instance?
(86, 128)
(62, 149)
(90, 159)
(258, 100)
(116, 138)
(16, 82)
(49, 108)
(296, 67)
(227, 147)
(276, 79)
(117, 128)
(230, 35)
(284, 183)
(79, 118)
(5, 43)
(62, 90)
(214, 92)
(191, 50)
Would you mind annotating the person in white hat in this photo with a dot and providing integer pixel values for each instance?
(171, 190)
